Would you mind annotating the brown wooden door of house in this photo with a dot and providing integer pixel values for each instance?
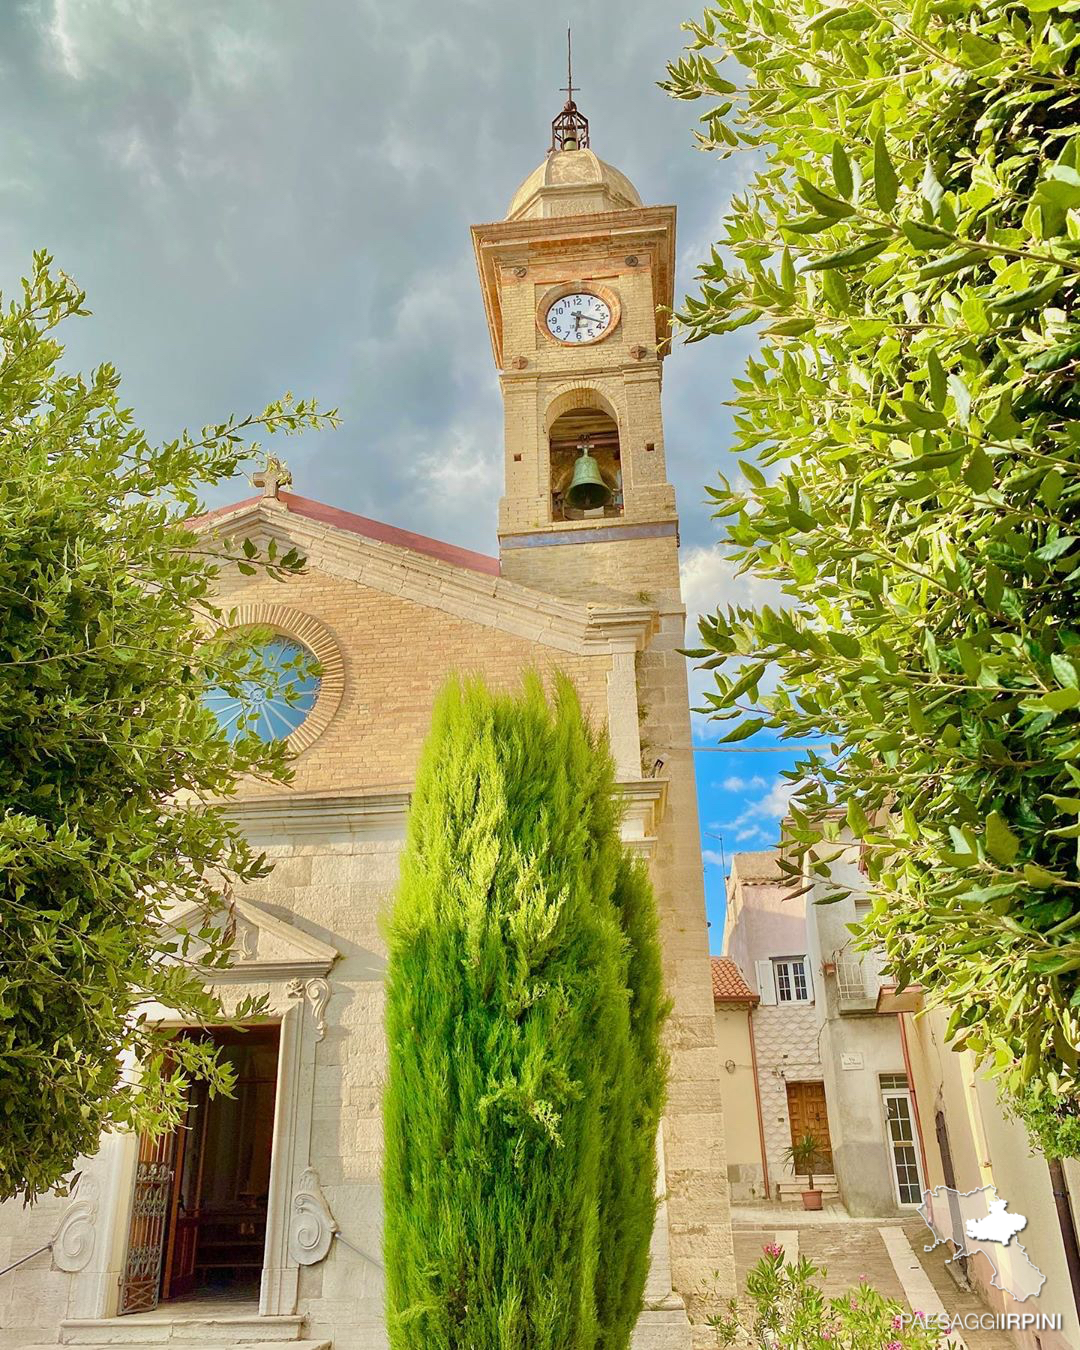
(807, 1113)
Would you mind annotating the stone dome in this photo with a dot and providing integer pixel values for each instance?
(572, 183)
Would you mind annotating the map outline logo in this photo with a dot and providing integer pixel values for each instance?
(985, 1226)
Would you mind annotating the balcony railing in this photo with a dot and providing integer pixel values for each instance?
(858, 979)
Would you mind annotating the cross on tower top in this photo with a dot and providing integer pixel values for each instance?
(570, 130)
(568, 87)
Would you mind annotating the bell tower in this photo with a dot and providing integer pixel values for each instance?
(577, 284)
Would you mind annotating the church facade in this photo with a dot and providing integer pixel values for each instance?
(261, 1221)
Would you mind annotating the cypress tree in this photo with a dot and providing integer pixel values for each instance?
(524, 1011)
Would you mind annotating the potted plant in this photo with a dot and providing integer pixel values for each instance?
(804, 1155)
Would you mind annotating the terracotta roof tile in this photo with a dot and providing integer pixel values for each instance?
(728, 985)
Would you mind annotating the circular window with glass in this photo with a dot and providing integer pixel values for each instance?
(278, 697)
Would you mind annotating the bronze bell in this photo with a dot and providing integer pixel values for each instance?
(587, 488)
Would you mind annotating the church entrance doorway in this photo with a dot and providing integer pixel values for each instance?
(199, 1209)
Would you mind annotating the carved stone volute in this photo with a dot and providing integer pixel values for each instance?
(73, 1243)
(311, 1225)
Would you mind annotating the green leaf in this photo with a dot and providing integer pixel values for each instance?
(979, 473)
(822, 202)
(973, 312)
(923, 236)
(787, 272)
(848, 257)
(841, 171)
(856, 819)
(886, 183)
(790, 328)
(1001, 843)
(1039, 876)
(753, 474)
(1059, 700)
(936, 380)
(1055, 357)
(749, 727)
(1029, 298)
(809, 224)
(961, 396)
(1054, 548)
(952, 262)
(846, 645)
(1065, 671)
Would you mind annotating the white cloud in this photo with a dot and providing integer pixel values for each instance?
(710, 582)
(734, 783)
(461, 471)
(711, 857)
(757, 821)
(59, 31)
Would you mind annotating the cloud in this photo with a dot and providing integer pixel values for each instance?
(710, 582)
(255, 202)
(757, 821)
(736, 784)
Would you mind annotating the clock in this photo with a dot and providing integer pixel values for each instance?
(577, 317)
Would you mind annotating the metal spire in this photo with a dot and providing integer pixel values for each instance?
(570, 130)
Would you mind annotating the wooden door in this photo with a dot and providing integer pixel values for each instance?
(807, 1113)
(179, 1277)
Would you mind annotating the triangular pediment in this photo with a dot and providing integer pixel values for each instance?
(264, 947)
(432, 574)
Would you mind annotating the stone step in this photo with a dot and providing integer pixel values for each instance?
(207, 1345)
(205, 1330)
(792, 1190)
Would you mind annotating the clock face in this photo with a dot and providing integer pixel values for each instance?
(580, 317)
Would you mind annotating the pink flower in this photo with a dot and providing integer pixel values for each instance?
(894, 1345)
(773, 1249)
(897, 1322)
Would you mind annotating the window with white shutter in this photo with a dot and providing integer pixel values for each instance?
(792, 977)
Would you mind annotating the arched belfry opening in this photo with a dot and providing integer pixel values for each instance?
(586, 465)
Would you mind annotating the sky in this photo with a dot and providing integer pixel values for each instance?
(260, 197)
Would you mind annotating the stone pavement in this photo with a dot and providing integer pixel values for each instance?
(882, 1250)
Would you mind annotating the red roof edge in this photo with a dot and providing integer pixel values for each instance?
(370, 529)
(728, 984)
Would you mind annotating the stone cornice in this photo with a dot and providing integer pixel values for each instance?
(492, 601)
(287, 819)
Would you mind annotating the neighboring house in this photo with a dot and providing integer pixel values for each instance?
(272, 1199)
(830, 1056)
(744, 1138)
(765, 936)
(968, 1143)
(866, 1076)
